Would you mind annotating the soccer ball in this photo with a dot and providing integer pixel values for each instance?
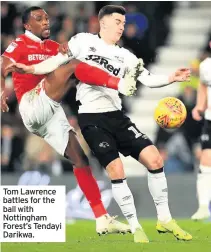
(170, 113)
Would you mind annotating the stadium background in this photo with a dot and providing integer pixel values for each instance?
(166, 35)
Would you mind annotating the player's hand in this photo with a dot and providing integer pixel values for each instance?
(182, 74)
(4, 106)
(64, 48)
(197, 114)
(20, 68)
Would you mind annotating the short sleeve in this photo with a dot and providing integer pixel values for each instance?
(14, 50)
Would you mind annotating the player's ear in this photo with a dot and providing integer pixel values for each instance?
(102, 23)
(27, 27)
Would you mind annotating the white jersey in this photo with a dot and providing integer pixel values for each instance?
(110, 58)
(205, 77)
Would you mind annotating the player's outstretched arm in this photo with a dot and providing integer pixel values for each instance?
(44, 67)
(157, 81)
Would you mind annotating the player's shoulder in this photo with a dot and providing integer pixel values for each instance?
(20, 40)
(83, 35)
(16, 46)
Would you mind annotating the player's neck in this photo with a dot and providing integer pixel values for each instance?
(106, 39)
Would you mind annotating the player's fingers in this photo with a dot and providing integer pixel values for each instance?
(63, 48)
(10, 69)
(184, 69)
(186, 79)
(10, 65)
(19, 65)
(196, 116)
(183, 78)
(4, 108)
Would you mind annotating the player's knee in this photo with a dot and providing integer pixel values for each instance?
(115, 169)
(155, 163)
(151, 158)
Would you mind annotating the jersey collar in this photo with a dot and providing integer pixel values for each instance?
(32, 36)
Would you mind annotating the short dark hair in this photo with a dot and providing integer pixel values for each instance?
(110, 9)
(26, 13)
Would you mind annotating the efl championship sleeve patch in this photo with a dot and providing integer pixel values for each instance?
(11, 47)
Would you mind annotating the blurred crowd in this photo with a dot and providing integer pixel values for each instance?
(146, 29)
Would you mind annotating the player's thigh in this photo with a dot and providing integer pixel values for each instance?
(56, 131)
(131, 141)
(101, 143)
(56, 82)
(62, 73)
(36, 108)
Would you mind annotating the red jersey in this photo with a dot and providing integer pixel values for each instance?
(29, 50)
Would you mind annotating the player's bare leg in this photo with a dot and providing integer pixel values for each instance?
(158, 188)
(204, 186)
(56, 84)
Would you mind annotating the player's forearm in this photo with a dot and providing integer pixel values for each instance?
(201, 101)
(50, 64)
(154, 81)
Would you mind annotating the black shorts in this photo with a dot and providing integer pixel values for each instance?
(109, 133)
(206, 135)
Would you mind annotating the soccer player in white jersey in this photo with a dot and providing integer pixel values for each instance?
(203, 105)
(107, 129)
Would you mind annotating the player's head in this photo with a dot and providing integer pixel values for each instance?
(36, 20)
(112, 21)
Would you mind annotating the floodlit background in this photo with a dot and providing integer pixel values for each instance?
(167, 35)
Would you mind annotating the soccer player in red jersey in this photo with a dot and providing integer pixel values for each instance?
(39, 96)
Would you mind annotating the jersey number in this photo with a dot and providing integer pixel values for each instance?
(137, 134)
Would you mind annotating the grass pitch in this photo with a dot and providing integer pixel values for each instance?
(81, 237)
